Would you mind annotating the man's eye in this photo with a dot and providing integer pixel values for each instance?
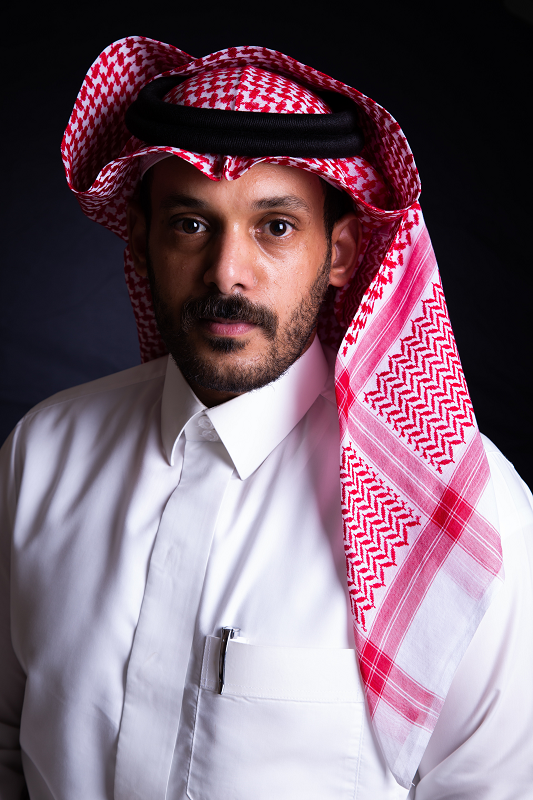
(278, 227)
(190, 226)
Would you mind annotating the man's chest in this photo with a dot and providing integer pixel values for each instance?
(126, 585)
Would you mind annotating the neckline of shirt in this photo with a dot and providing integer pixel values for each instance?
(252, 425)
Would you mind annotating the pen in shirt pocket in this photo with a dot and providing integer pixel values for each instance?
(226, 634)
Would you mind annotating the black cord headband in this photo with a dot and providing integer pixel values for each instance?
(243, 133)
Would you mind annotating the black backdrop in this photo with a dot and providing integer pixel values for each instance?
(456, 75)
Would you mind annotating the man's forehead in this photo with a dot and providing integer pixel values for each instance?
(263, 185)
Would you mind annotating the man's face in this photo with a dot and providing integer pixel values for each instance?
(238, 270)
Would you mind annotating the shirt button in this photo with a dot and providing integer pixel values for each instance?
(211, 436)
(205, 423)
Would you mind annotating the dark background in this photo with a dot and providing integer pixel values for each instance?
(457, 76)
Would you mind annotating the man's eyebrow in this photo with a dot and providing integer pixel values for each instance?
(182, 201)
(290, 202)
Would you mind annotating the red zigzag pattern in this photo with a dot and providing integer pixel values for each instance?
(376, 523)
(423, 395)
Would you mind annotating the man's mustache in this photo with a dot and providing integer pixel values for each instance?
(235, 308)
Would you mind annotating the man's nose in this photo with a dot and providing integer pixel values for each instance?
(231, 262)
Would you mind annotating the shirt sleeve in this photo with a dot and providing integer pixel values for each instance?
(482, 745)
(12, 677)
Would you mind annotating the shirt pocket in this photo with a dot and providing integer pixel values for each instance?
(288, 724)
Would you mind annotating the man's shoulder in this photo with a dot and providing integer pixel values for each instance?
(87, 424)
(89, 407)
(513, 497)
(124, 381)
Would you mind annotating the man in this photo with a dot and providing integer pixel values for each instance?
(177, 615)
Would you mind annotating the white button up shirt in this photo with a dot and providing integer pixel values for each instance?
(143, 523)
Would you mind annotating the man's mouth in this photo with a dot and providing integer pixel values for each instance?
(228, 317)
(218, 326)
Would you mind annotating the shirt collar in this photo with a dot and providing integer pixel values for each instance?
(253, 424)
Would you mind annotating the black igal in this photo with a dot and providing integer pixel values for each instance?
(244, 133)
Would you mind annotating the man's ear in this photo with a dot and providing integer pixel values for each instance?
(345, 247)
(136, 220)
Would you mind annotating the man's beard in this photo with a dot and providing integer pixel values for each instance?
(284, 345)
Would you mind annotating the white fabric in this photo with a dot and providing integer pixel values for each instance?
(121, 699)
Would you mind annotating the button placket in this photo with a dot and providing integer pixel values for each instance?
(161, 649)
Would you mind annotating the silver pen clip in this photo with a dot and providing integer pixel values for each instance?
(226, 634)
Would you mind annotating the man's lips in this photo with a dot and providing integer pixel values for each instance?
(227, 327)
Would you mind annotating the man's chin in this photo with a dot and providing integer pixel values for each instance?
(226, 370)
